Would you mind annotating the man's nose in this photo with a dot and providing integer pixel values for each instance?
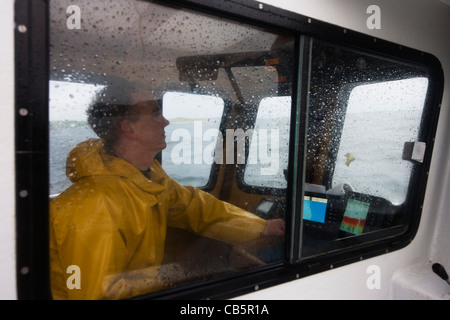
(165, 122)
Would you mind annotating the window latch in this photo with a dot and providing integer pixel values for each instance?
(414, 151)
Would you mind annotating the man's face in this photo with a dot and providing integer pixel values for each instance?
(149, 128)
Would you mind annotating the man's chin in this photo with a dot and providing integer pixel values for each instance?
(162, 147)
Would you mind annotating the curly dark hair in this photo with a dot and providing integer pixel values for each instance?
(110, 106)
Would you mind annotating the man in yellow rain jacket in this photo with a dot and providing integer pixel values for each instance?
(111, 223)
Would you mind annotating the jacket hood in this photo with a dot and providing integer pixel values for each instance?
(86, 160)
(89, 159)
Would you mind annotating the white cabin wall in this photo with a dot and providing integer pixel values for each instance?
(7, 193)
(405, 274)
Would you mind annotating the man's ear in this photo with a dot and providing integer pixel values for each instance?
(127, 129)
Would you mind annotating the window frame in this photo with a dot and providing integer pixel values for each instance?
(32, 147)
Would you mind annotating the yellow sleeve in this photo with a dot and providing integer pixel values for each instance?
(202, 213)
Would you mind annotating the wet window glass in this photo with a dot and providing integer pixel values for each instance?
(370, 152)
(68, 126)
(269, 145)
(192, 136)
(364, 115)
(155, 112)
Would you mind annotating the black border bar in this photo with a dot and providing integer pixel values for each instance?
(31, 140)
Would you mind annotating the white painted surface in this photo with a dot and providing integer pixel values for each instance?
(7, 196)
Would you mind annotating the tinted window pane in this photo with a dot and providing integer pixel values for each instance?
(269, 146)
(121, 71)
(362, 111)
(192, 136)
(380, 118)
(68, 126)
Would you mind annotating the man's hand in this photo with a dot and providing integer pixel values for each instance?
(275, 227)
(244, 255)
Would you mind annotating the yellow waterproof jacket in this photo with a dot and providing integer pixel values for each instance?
(111, 224)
